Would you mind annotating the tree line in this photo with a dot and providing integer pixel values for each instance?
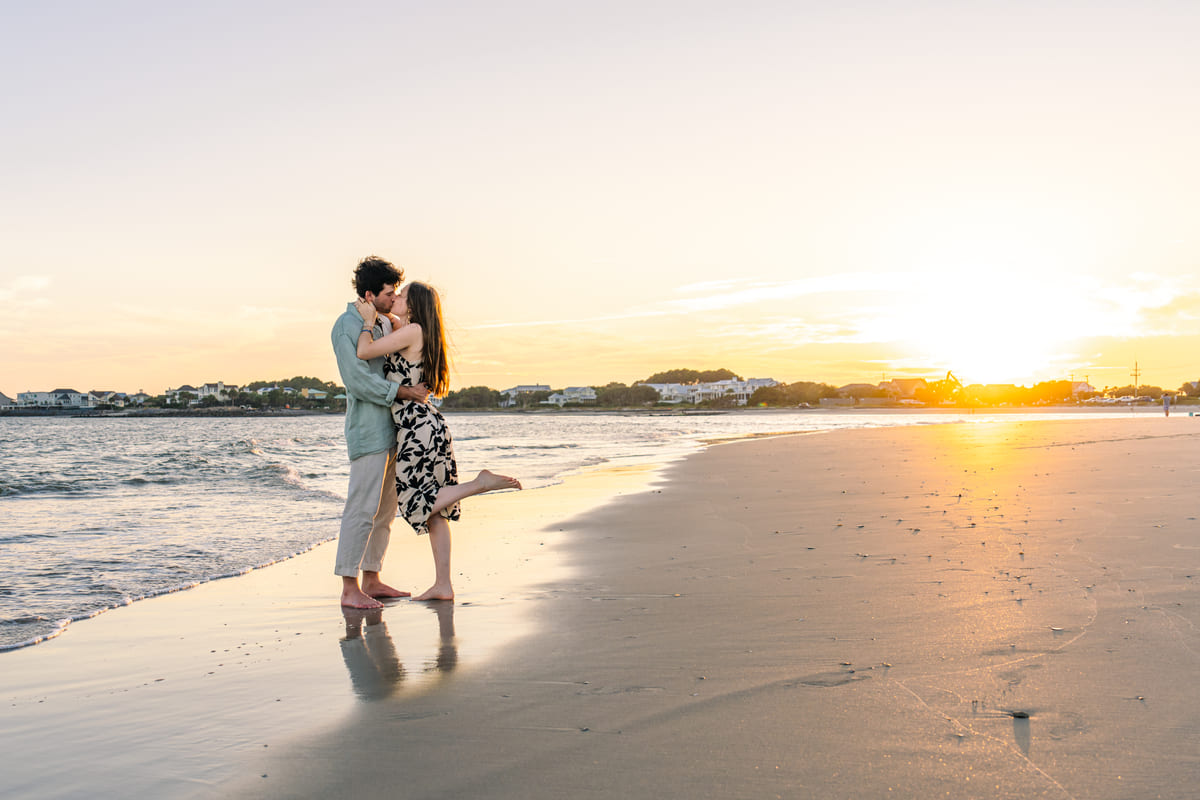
(610, 395)
(620, 395)
(248, 396)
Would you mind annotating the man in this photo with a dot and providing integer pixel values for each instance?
(370, 439)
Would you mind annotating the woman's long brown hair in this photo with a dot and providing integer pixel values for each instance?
(425, 309)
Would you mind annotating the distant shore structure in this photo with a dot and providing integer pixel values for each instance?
(696, 393)
(69, 398)
(316, 395)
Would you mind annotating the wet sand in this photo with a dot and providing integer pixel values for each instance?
(1000, 610)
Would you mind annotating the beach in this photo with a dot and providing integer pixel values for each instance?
(999, 610)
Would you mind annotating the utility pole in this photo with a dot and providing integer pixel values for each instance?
(1135, 375)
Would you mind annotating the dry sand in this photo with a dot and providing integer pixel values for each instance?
(1000, 610)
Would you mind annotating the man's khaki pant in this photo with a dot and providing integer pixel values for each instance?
(367, 519)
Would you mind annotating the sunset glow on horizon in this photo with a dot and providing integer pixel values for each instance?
(603, 191)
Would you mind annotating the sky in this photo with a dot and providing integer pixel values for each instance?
(836, 192)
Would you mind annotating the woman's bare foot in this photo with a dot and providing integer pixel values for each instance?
(437, 592)
(373, 587)
(490, 481)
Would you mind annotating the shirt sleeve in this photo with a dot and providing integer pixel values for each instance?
(356, 374)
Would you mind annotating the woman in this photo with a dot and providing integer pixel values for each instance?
(426, 475)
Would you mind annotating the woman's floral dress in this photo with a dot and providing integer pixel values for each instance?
(424, 451)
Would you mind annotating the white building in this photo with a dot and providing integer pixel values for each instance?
(671, 392)
(739, 391)
(572, 394)
(116, 399)
(173, 394)
(218, 390)
(59, 398)
(695, 393)
(510, 395)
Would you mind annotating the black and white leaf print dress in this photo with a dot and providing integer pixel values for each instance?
(424, 451)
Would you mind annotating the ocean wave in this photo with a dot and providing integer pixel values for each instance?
(139, 481)
(55, 630)
(51, 628)
(289, 477)
(44, 487)
(536, 446)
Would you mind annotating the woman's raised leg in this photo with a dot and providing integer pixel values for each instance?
(485, 481)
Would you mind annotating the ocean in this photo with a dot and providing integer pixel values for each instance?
(99, 512)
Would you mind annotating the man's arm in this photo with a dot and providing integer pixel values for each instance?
(356, 374)
(417, 394)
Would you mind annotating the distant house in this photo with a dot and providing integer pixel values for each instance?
(218, 390)
(510, 395)
(749, 386)
(572, 394)
(109, 398)
(138, 399)
(673, 393)
(314, 394)
(1081, 387)
(173, 394)
(738, 391)
(59, 398)
(904, 388)
(6, 401)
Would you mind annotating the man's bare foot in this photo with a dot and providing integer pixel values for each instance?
(373, 587)
(490, 481)
(437, 592)
(354, 597)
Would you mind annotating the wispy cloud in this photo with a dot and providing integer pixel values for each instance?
(725, 294)
(730, 294)
(708, 286)
(631, 314)
(23, 287)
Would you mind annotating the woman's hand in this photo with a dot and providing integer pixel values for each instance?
(366, 310)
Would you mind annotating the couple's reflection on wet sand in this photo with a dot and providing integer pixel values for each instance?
(376, 671)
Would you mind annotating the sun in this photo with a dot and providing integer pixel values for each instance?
(989, 286)
(994, 324)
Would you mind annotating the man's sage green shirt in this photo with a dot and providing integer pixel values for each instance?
(369, 396)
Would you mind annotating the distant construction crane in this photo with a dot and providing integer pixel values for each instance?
(948, 387)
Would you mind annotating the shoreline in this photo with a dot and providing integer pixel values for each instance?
(1151, 409)
(835, 616)
(203, 678)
